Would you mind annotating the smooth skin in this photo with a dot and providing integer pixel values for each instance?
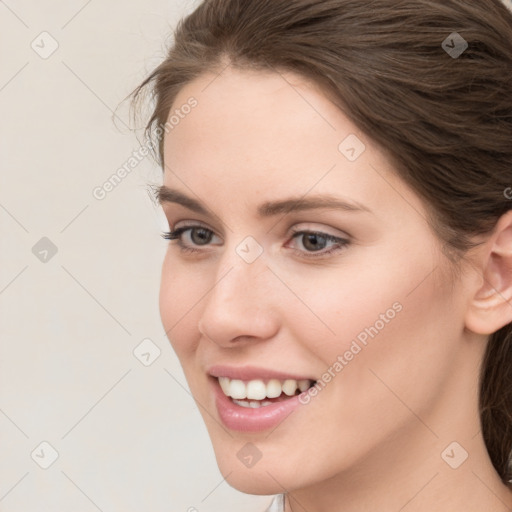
(374, 437)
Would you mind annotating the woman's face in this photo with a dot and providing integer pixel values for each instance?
(365, 308)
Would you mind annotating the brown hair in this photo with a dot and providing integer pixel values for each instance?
(396, 70)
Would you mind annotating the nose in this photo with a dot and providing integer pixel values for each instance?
(241, 306)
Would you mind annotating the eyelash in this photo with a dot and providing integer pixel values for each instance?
(342, 242)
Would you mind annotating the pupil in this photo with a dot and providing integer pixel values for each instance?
(313, 239)
(202, 238)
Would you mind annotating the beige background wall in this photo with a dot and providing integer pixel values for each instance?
(79, 276)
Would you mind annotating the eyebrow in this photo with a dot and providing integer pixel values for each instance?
(165, 194)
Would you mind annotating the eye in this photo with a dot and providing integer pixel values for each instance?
(314, 241)
(199, 235)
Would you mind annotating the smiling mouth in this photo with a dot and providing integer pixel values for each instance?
(260, 393)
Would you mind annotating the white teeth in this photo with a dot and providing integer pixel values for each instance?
(252, 404)
(258, 390)
(274, 388)
(289, 387)
(237, 389)
(303, 385)
(224, 384)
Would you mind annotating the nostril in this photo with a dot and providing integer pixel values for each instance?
(243, 337)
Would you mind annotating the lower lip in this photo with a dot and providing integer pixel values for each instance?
(247, 419)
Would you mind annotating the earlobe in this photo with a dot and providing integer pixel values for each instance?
(491, 306)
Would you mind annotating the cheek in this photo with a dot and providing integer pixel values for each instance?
(369, 292)
(350, 302)
(178, 299)
(393, 321)
(395, 340)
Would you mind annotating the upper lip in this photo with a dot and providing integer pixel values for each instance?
(252, 373)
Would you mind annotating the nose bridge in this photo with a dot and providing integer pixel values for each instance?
(239, 281)
(239, 302)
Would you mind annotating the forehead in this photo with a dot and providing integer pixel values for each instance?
(260, 113)
(253, 133)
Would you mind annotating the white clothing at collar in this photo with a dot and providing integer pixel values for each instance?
(277, 504)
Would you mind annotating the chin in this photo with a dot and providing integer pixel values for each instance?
(245, 467)
(250, 482)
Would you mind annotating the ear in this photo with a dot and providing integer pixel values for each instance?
(491, 306)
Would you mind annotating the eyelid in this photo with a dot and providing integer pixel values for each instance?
(340, 243)
(311, 227)
(190, 224)
(296, 228)
(304, 225)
